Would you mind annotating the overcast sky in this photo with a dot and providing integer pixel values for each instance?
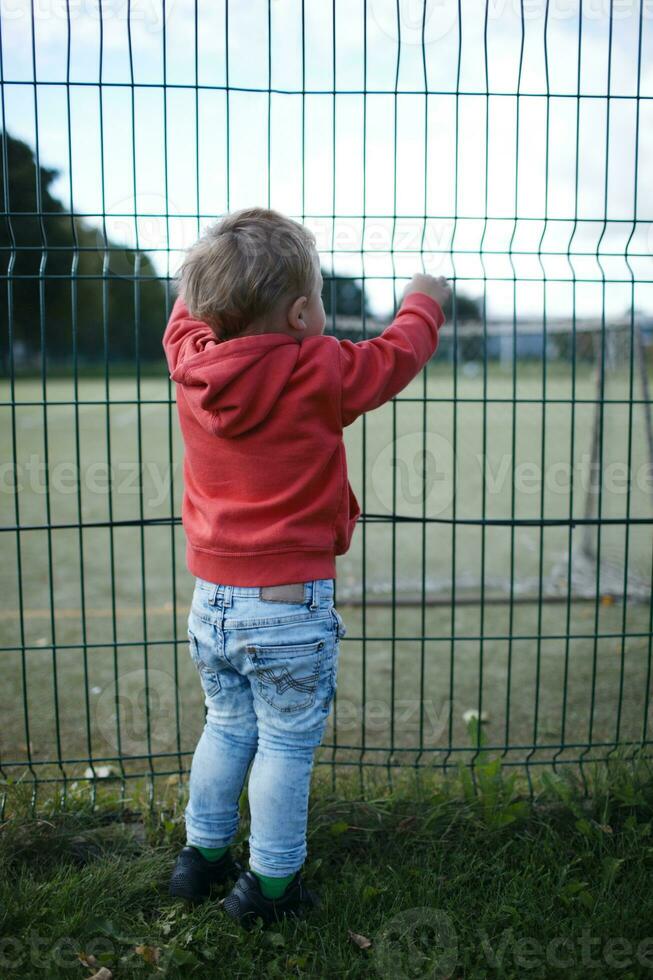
(414, 160)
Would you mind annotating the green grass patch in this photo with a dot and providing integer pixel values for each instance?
(436, 878)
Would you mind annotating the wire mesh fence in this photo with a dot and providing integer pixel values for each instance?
(497, 595)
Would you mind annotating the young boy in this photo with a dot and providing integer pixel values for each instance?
(263, 397)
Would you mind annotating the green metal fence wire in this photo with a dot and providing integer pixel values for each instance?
(474, 626)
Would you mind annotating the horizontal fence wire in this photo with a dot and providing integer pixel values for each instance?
(498, 591)
(367, 519)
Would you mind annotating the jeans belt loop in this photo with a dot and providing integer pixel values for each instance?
(315, 600)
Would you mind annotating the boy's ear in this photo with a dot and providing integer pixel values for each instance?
(295, 312)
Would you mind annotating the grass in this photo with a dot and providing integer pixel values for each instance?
(102, 621)
(431, 879)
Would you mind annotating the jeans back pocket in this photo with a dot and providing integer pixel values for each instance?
(340, 628)
(287, 675)
(208, 677)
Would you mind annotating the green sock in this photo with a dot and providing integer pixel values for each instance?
(211, 853)
(273, 887)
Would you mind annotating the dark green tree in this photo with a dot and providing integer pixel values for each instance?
(343, 296)
(61, 287)
(466, 308)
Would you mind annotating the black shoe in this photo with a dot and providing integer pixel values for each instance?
(193, 876)
(246, 901)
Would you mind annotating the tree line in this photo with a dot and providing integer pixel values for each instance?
(68, 290)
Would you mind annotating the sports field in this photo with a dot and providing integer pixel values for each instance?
(572, 669)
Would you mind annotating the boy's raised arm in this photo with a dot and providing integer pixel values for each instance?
(184, 337)
(374, 371)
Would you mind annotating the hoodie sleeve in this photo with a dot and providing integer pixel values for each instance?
(374, 371)
(183, 338)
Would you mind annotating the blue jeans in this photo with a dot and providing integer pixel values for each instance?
(268, 669)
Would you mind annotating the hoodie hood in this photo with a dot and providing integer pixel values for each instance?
(238, 381)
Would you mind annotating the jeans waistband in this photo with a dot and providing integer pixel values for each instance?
(223, 595)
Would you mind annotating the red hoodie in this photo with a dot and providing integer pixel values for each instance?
(266, 497)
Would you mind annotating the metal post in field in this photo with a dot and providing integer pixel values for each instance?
(646, 396)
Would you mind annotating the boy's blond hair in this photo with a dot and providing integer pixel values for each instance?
(244, 265)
